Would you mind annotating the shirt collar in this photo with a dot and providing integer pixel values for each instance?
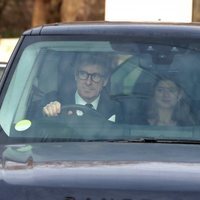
(81, 101)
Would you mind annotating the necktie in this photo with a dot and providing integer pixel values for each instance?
(89, 105)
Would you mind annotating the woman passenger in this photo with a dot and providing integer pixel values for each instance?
(168, 106)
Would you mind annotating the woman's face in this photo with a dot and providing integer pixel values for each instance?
(167, 94)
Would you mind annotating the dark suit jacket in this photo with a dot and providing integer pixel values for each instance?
(106, 106)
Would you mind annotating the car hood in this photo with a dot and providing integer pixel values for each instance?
(119, 168)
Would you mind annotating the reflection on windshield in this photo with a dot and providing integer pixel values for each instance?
(68, 91)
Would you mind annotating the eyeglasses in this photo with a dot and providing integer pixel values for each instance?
(96, 77)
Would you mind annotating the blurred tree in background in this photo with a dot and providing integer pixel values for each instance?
(49, 11)
(196, 11)
(15, 16)
(19, 15)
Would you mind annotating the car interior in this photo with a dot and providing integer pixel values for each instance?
(132, 79)
(135, 69)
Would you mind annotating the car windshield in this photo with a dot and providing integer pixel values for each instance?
(106, 89)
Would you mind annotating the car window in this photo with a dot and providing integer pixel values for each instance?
(106, 90)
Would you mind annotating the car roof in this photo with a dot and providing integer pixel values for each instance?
(186, 30)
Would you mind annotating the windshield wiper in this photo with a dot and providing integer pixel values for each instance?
(120, 140)
(132, 140)
(147, 140)
(161, 140)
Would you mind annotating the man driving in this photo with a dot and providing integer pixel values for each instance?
(91, 76)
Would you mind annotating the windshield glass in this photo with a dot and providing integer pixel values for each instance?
(67, 89)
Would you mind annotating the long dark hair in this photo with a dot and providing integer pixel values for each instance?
(182, 114)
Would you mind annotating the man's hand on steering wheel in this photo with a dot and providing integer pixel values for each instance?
(52, 109)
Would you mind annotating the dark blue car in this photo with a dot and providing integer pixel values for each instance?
(107, 111)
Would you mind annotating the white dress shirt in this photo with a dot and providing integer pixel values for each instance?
(79, 100)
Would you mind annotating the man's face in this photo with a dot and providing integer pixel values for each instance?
(90, 80)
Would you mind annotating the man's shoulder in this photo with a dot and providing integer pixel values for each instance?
(107, 103)
(105, 96)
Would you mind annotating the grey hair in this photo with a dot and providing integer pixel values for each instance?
(100, 59)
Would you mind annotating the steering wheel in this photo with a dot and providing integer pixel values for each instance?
(74, 122)
(85, 121)
(77, 110)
